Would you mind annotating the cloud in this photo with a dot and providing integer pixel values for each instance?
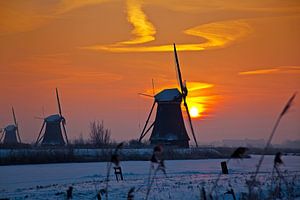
(220, 34)
(196, 6)
(291, 69)
(216, 35)
(142, 28)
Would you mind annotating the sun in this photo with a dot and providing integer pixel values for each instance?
(194, 112)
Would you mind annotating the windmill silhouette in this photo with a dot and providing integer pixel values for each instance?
(10, 134)
(168, 126)
(53, 129)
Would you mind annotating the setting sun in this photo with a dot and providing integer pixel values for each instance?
(194, 112)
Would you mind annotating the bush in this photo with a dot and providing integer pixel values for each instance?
(99, 135)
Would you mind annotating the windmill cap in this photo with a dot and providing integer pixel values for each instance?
(169, 95)
(53, 118)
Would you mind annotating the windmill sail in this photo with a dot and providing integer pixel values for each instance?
(16, 124)
(184, 94)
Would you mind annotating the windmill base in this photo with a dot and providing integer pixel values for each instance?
(175, 143)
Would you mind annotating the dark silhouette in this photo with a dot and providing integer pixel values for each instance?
(100, 193)
(118, 173)
(53, 133)
(277, 160)
(130, 195)
(283, 112)
(114, 159)
(156, 160)
(10, 133)
(224, 167)
(99, 135)
(203, 193)
(239, 152)
(231, 192)
(70, 193)
(168, 126)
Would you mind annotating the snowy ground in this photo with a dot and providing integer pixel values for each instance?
(184, 179)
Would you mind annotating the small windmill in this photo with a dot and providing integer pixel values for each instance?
(11, 132)
(168, 126)
(53, 128)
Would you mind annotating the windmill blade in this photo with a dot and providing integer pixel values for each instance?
(14, 116)
(153, 88)
(147, 131)
(184, 93)
(16, 123)
(146, 95)
(190, 122)
(58, 102)
(65, 132)
(178, 72)
(18, 133)
(1, 131)
(38, 138)
(145, 126)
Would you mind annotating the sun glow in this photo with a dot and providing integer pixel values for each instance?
(194, 112)
(200, 99)
(196, 109)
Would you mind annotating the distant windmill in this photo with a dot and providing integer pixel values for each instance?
(11, 132)
(168, 127)
(53, 131)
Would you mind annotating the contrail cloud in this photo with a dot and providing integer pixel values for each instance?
(143, 29)
(216, 35)
(284, 69)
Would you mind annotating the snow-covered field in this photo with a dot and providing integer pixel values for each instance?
(184, 179)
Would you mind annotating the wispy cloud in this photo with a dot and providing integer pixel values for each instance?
(220, 34)
(217, 35)
(292, 69)
(142, 28)
(196, 6)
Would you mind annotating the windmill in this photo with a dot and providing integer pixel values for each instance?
(168, 126)
(10, 133)
(53, 128)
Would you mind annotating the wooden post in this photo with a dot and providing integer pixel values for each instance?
(224, 167)
(118, 173)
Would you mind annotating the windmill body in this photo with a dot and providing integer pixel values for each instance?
(53, 134)
(169, 128)
(10, 135)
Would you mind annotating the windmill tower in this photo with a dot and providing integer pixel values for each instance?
(53, 129)
(10, 133)
(168, 126)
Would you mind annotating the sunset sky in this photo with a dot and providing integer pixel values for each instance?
(240, 59)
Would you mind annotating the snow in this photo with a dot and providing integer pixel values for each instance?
(184, 179)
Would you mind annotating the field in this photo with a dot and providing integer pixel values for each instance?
(184, 180)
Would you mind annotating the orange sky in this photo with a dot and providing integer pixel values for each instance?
(240, 59)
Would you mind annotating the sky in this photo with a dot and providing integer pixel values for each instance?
(240, 60)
